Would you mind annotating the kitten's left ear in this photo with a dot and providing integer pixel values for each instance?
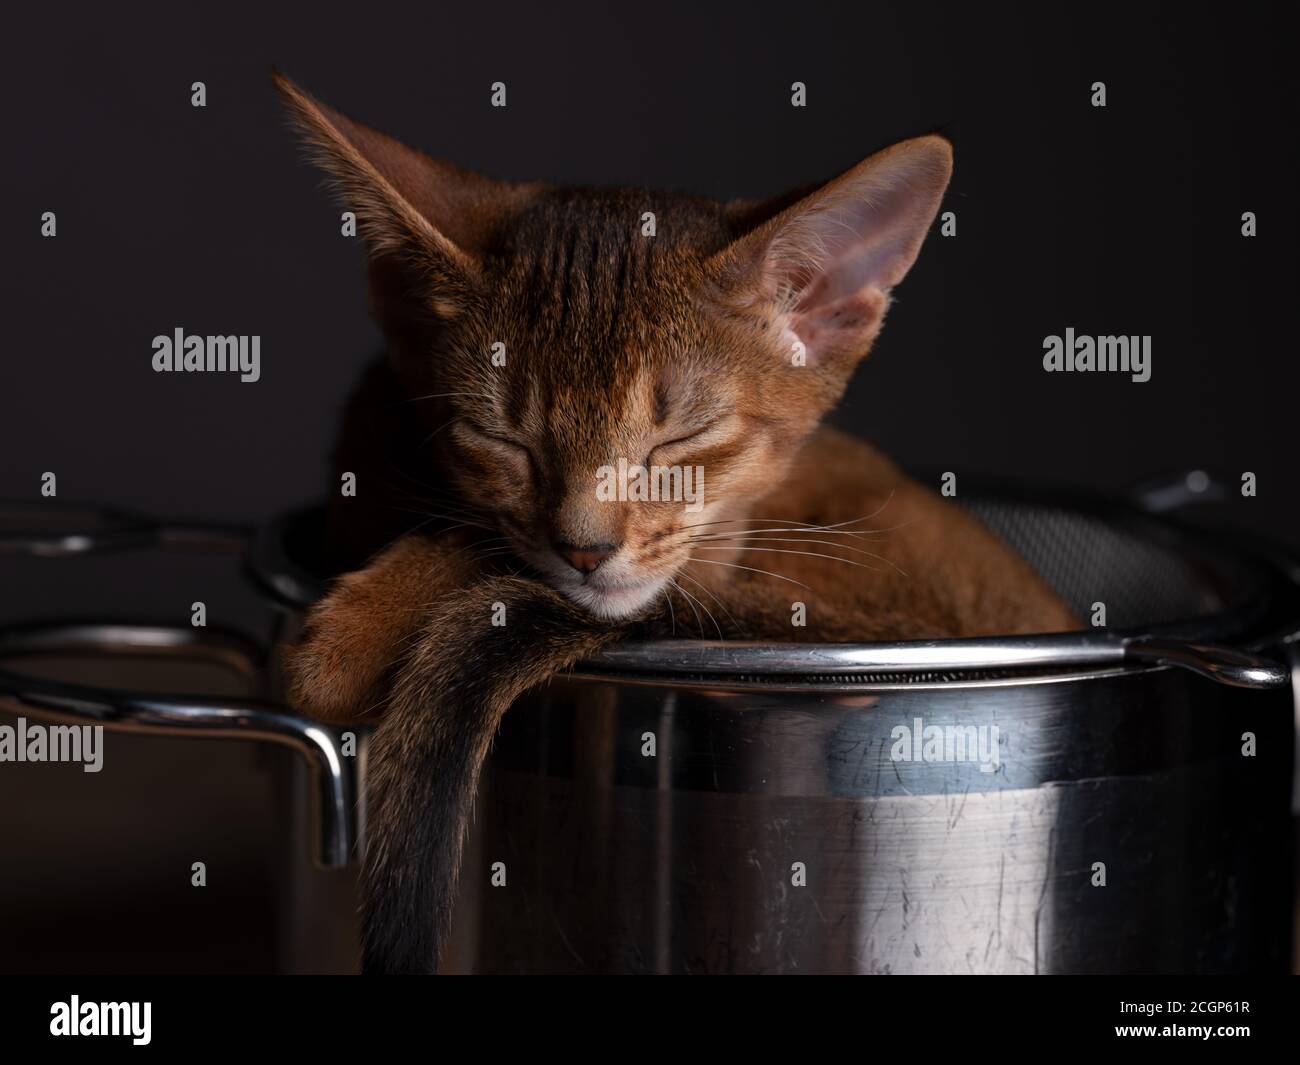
(408, 205)
(828, 261)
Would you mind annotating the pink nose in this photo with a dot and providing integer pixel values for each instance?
(585, 559)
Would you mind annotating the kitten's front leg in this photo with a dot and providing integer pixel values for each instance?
(355, 637)
(476, 651)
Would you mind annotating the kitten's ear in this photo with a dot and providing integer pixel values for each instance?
(407, 204)
(828, 260)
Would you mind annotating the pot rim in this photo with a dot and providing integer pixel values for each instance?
(1268, 620)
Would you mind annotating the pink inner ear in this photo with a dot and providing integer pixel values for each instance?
(827, 262)
(830, 326)
(851, 267)
(839, 263)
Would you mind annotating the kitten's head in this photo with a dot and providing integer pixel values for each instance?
(584, 349)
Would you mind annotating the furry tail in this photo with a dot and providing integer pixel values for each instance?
(448, 698)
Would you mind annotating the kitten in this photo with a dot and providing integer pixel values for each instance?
(718, 343)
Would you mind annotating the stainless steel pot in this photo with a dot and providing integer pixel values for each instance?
(1076, 803)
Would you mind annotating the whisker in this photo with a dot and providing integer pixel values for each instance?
(496, 552)
(413, 529)
(440, 490)
(739, 533)
(776, 540)
(461, 523)
(744, 546)
(692, 600)
(698, 620)
(448, 395)
(721, 605)
(447, 504)
(810, 554)
(807, 525)
(829, 530)
(736, 565)
(440, 428)
(734, 521)
(672, 614)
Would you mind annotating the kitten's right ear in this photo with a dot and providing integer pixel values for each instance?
(407, 204)
(827, 259)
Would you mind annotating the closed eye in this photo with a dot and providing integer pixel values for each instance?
(478, 430)
(683, 439)
(505, 442)
(693, 437)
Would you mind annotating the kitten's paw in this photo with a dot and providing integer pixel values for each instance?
(337, 670)
(341, 669)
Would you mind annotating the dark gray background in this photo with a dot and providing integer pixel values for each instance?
(1117, 220)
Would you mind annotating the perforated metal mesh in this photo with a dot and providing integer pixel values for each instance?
(1089, 560)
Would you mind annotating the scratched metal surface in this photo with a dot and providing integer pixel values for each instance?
(617, 862)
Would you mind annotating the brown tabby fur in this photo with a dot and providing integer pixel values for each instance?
(617, 345)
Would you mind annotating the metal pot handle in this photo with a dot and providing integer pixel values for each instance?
(1223, 664)
(53, 529)
(1159, 495)
(123, 711)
